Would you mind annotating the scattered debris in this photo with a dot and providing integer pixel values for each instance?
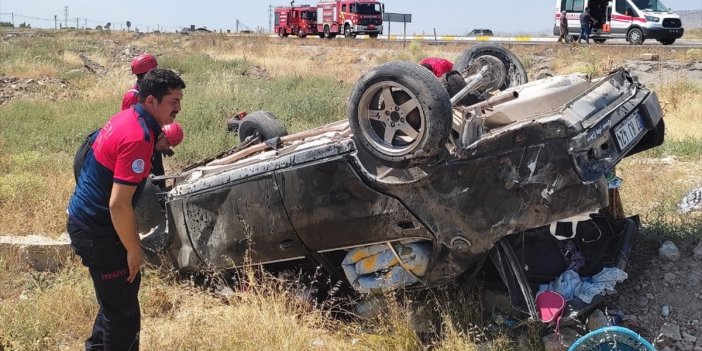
(13, 87)
(91, 65)
(597, 320)
(691, 202)
(669, 251)
(650, 57)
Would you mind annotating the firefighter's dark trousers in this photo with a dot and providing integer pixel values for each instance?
(117, 323)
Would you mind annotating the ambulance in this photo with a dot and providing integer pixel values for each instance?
(633, 20)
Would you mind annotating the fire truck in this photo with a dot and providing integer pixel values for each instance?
(296, 20)
(350, 18)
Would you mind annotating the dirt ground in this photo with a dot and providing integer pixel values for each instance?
(662, 299)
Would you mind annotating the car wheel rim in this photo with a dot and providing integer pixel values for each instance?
(635, 37)
(391, 118)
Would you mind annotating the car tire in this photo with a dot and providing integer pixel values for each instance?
(263, 123)
(599, 41)
(373, 35)
(396, 136)
(516, 74)
(635, 36)
(327, 32)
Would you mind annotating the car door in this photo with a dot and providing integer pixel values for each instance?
(241, 223)
(332, 208)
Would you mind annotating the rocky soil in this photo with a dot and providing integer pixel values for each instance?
(662, 299)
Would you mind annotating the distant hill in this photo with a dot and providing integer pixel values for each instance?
(691, 18)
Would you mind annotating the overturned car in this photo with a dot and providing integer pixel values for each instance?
(427, 181)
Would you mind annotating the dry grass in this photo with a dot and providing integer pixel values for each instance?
(693, 33)
(33, 193)
(681, 100)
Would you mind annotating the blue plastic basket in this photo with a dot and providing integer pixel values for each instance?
(612, 339)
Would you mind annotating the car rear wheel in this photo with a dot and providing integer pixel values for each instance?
(400, 114)
(263, 125)
(635, 36)
(516, 74)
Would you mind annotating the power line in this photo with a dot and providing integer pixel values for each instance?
(87, 21)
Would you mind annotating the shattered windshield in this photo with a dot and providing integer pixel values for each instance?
(651, 5)
(366, 9)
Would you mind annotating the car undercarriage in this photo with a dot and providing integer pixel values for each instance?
(429, 181)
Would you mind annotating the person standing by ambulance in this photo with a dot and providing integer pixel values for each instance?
(585, 25)
(101, 218)
(564, 27)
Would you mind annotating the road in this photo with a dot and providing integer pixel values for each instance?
(525, 40)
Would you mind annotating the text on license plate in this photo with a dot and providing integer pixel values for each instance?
(627, 131)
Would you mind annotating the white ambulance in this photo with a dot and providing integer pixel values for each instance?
(633, 20)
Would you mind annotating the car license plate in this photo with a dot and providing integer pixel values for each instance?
(627, 131)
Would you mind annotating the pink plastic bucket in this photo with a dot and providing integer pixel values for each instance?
(550, 305)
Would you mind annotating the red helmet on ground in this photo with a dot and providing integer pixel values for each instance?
(143, 63)
(437, 65)
(173, 133)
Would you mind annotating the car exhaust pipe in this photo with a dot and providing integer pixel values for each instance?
(473, 127)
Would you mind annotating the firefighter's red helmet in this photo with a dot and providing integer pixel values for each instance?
(173, 133)
(143, 63)
(437, 65)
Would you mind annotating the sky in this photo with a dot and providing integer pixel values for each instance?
(450, 17)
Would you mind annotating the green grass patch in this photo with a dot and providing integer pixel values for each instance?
(197, 68)
(687, 149)
(52, 127)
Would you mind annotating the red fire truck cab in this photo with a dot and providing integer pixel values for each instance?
(296, 20)
(350, 17)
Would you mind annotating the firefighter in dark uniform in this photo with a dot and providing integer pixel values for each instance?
(101, 218)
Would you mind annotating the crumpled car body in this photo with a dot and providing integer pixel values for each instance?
(538, 159)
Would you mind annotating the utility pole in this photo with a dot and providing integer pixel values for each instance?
(13, 19)
(77, 23)
(270, 18)
(86, 23)
(237, 25)
(65, 14)
(55, 21)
